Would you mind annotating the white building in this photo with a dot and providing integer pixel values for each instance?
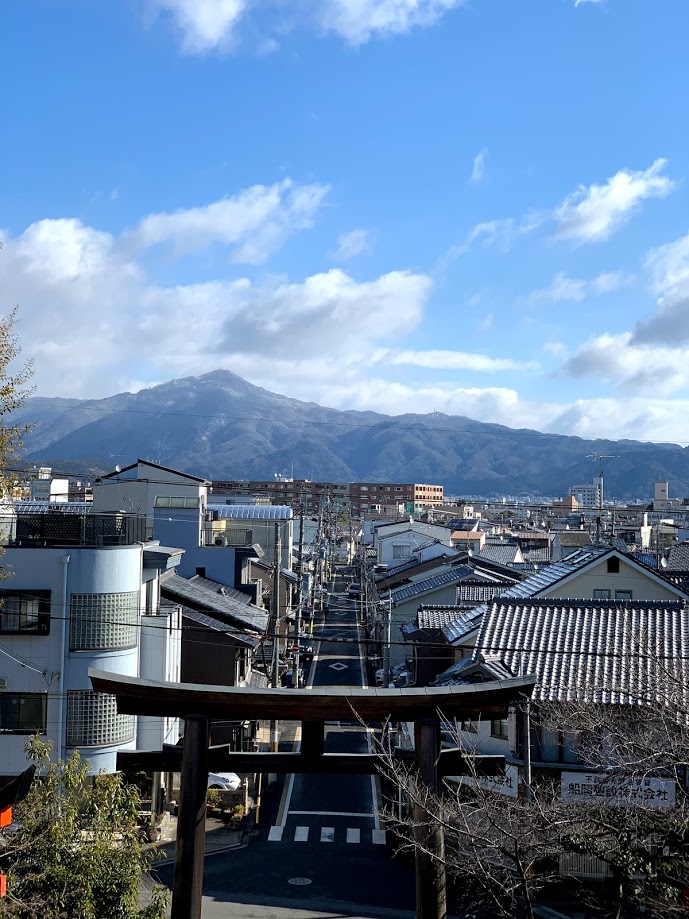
(83, 592)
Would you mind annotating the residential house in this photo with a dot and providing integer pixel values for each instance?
(602, 652)
(402, 539)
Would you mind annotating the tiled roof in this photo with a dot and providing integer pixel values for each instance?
(406, 592)
(395, 576)
(194, 595)
(678, 559)
(529, 587)
(435, 617)
(476, 669)
(539, 554)
(478, 593)
(239, 637)
(578, 538)
(591, 650)
(504, 553)
(222, 589)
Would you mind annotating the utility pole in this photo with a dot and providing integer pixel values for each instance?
(300, 600)
(388, 639)
(276, 630)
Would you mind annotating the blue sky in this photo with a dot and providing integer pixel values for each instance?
(473, 207)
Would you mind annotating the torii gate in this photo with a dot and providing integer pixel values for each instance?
(201, 704)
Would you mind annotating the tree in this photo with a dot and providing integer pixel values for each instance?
(78, 851)
(13, 393)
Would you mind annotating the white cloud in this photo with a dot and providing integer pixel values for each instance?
(479, 166)
(573, 290)
(358, 21)
(97, 324)
(210, 25)
(582, 2)
(668, 266)
(349, 245)
(594, 213)
(460, 360)
(608, 282)
(617, 359)
(205, 24)
(561, 289)
(252, 223)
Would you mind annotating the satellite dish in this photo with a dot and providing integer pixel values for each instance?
(663, 563)
(118, 468)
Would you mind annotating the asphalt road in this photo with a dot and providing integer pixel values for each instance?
(320, 851)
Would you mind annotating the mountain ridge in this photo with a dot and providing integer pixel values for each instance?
(221, 426)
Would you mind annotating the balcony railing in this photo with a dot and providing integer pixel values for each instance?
(52, 529)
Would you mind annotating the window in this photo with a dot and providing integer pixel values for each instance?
(601, 594)
(623, 595)
(24, 611)
(93, 721)
(363, 488)
(103, 622)
(23, 712)
(401, 551)
(470, 726)
(398, 488)
(613, 565)
(500, 728)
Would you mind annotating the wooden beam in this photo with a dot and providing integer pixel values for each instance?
(187, 882)
(429, 849)
(150, 697)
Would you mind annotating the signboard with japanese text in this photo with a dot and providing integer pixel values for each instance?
(507, 784)
(616, 790)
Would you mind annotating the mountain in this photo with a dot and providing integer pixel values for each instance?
(220, 426)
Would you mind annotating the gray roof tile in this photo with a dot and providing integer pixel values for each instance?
(194, 595)
(585, 649)
(406, 592)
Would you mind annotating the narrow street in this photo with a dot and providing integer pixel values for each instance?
(319, 849)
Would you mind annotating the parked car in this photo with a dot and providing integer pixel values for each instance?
(226, 781)
(354, 590)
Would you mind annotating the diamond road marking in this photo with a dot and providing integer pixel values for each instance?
(353, 834)
(299, 882)
(338, 666)
(275, 834)
(301, 834)
(327, 834)
(378, 837)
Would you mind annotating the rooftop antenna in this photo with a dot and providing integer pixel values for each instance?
(599, 457)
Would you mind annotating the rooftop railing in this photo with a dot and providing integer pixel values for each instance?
(52, 529)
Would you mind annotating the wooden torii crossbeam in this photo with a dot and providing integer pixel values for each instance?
(201, 704)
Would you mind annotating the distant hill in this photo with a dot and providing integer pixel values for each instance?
(220, 426)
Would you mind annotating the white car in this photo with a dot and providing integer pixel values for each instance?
(226, 781)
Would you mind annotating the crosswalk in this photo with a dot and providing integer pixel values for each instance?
(326, 834)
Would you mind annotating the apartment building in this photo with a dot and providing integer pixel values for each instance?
(361, 497)
(366, 496)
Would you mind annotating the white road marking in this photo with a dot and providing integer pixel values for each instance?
(353, 834)
(328, 814)
(275, 834)
(378, 837)
(327, 834)
(301, 834)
